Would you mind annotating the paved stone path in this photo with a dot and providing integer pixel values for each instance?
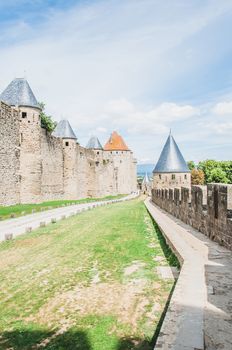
(23, 224)
(199, 315)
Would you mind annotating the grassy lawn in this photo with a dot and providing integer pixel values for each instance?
(23, 209)
(88, 282)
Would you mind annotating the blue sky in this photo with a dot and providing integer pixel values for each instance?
(138, 66)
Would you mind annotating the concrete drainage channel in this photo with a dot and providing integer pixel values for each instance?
(12, 228)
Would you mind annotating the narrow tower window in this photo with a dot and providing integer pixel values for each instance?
(173, 176)
(66, 143)
(24, 114)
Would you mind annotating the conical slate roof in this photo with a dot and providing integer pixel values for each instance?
(171, 159)
(116, 143)
(94, 143)
(146, 179)
(64, 130)
(19, 93)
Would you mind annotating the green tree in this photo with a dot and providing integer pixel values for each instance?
(46, 120)
(191, 165)
(207, 166)
(218, 175)
(216, 171)
(227, 168)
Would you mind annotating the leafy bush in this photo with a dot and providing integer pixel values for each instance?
(216, 171)
(197, 177)
(191, 165)
(46, 120)
(218, 175)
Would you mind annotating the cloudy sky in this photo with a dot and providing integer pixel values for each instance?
(137, 66)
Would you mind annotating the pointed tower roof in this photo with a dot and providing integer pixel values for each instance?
(64, 130)
(171, 159)
(146, 179)
(116, 143)
(94, 143)
(19, 93)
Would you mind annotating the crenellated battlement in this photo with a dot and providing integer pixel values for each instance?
(206, 208)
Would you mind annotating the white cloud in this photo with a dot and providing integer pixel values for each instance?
(220, 128)
(223, 108)
(157, 120)
(101, 130)
(103, 66)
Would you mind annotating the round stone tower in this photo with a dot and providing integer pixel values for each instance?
(171, 169)
(19, 95)
(64, 131)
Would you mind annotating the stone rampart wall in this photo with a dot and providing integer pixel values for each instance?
(9, 155)
(52, 162)
(37, 167)
(206, 208)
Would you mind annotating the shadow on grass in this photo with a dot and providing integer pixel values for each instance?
(70, 340)
(29, 340)
(134, 344)
(172, 261)
(161, 320)
(169, 255)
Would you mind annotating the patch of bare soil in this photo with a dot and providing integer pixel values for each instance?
(25, 242)
(159, 258)
(126, 302)
(9, 258)
(137, 265)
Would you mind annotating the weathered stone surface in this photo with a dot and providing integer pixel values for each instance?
(36, 166)
(199, 315)
(8, 236)
(167, 272)
(9, 155)
(206, 208)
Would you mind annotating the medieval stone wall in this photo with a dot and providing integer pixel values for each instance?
(206, 208)
(171, 180)
(52, 163)
(9, 155)
(37, 167)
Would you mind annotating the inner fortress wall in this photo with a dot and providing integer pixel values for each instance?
(37, 167)
(105, 184)
(52, 162)
(125, 171)
(9, 155)
(206, 208)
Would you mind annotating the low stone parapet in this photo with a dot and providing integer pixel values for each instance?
(199, 314)
(206, 208)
